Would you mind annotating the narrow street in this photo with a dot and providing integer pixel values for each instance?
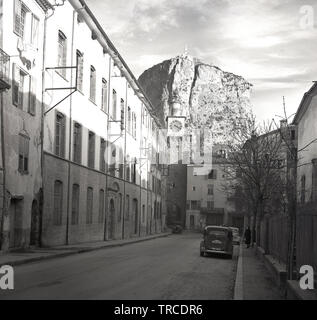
(164, 268)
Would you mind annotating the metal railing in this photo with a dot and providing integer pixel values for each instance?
(274, 237)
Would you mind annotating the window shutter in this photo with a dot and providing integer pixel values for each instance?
(63, 135)
(28, 24)
(35, 31)
(32, 96)
(15, 84)
(17, 17)
(26, 154)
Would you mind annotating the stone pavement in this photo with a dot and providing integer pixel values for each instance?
(18, 257)
(253, 280)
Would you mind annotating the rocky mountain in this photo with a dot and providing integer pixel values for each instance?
(206, 95)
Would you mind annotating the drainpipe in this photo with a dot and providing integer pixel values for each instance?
(108, 145)
(124, 159)
(42, 122)
(70, 132)
(140, 166)
(3, 170)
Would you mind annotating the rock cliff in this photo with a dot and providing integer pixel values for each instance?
(206, 95)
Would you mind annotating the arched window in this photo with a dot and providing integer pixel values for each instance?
(136, 215)
(92, 94)
(101, 205)
(58, 203)
(119, 207)
(62, 53)
(75, 204)
(90, 200)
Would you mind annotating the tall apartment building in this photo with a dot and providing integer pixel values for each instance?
(82, 145)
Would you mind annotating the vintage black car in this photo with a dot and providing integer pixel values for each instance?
(217, 239)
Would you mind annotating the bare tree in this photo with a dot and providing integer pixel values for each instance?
(256, 169)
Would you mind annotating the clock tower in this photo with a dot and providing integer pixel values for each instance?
(177, 179)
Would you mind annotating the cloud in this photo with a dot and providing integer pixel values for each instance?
(261, 40)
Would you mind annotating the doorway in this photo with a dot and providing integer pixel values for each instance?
(35, 225)
(136, 216)
(16, 220)
(112, 219)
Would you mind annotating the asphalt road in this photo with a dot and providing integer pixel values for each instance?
(166, 268)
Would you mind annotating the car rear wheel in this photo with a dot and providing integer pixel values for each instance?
(202, 253)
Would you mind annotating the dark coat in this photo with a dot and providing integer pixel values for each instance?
(247, 236)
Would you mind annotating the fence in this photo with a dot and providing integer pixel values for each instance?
(306, 237)
(274, 237)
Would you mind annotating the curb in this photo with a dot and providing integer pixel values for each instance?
(238, 287)
(81, 250)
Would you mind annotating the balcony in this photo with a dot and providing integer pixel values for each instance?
(4, 71)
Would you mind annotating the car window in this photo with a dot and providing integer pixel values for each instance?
(218, 233)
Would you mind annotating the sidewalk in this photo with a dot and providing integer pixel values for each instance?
(253, 281)
(31, 255)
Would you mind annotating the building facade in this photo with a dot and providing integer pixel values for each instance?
(306, 213)
(22, 25)
(81, 143)
(305, 119)
(207, 199)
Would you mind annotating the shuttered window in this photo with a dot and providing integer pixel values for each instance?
(32, 96)
(58, 203)
(77, 140)
(120, 207)
(122, 114)
(127, 207)
(20, 11)
(103, 147)
(62, 53)
(75, 204)
(18, 84)
(24, 142)
(133, 129)
(129, 120)
(114, 104)
(91, 149)
(210, 189)
(92, 84)
(60, 135)
(89, 205)
(80, 70)
(35, 31)
(104, 95)
(143, 213)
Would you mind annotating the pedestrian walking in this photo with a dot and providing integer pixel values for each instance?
(247, 237)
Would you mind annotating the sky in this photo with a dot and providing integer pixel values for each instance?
(271, 43)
